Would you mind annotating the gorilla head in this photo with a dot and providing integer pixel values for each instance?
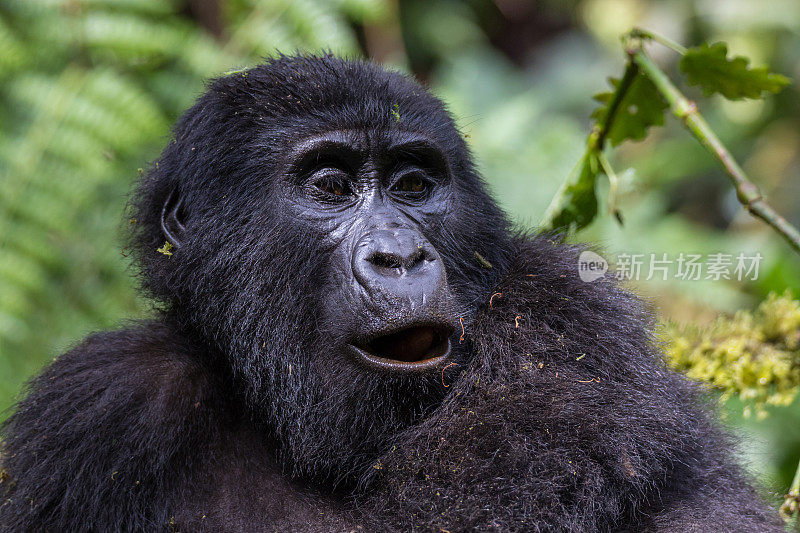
(319, 215)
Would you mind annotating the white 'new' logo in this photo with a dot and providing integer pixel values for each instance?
(591, 266)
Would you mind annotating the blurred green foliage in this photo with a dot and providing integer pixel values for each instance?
(89, 88)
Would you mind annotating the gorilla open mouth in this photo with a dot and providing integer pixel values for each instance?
(416, 347)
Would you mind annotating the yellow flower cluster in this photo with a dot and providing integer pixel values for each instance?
(755, 355)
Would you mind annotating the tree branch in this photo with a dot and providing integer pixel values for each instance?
(746, 191)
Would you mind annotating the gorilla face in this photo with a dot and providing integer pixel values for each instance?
(324, 251)
(372, 197)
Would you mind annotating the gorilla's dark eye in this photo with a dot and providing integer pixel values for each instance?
(414, 184)
(334, 186)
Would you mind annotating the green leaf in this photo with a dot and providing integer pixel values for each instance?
(641, 107)
(575, 204)
(709, 67)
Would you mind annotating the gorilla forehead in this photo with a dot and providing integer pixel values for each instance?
(353, 91)
(288, 98)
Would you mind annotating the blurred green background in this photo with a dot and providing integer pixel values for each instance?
(89, 89)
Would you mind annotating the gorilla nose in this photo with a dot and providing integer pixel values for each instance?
(398, 263)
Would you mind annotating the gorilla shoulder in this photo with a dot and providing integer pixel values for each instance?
(142, 420)
(125, 407)
(148, 369)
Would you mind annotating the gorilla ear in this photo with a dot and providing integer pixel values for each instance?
(172, 219)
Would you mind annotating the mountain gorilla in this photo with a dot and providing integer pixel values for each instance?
(352, 337)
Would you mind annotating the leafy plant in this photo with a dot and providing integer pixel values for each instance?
(755, 355)
(638, 101)
(710, 67)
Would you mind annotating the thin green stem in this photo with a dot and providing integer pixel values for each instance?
(791, 506)
(746, 191)
(613, 185)
(598, 137)
(639, 33)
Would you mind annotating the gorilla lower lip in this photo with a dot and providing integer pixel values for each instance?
(414, 347)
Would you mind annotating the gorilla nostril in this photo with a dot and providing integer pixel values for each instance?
(416, 259)
(393, 261)
(397, 263)
(385, 260)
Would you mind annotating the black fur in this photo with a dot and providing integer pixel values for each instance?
(231, 411)
(565, 420)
